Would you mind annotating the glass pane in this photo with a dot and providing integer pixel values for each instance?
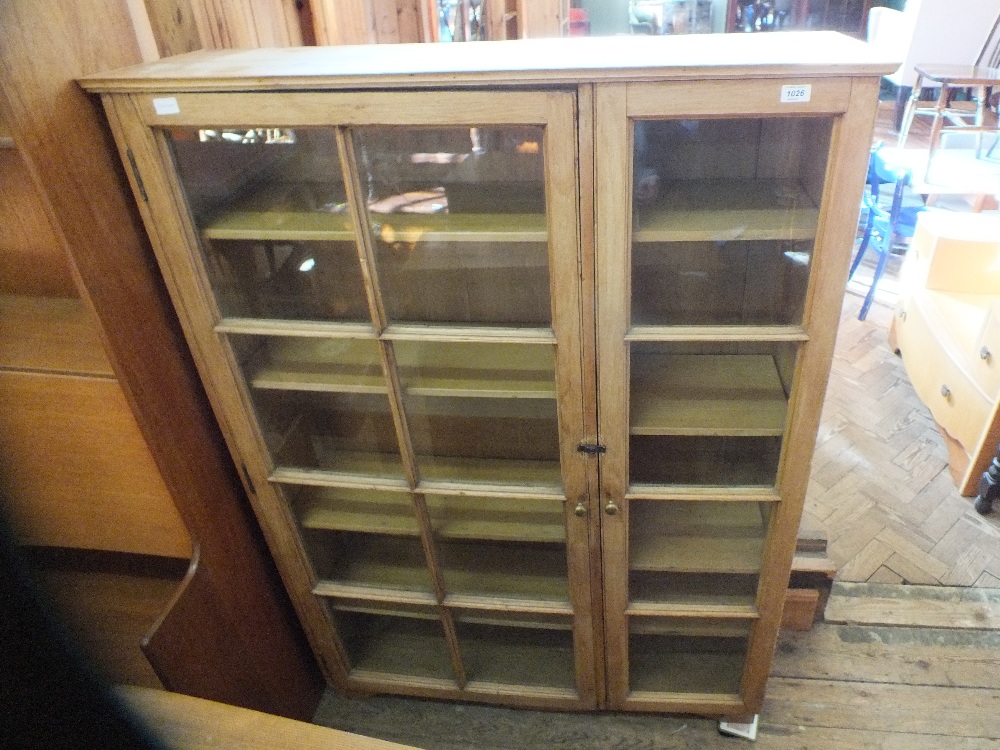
(497, 519)
(505, 569)
(412, 646)
(488, 440)
(724, 219)
(481, 412)
(458, 219)
(303, 363)
(695, 552)
(353, 509)
(708, 413)
(348, 559)
(681, 655)
(516, 649)
(350, 433)
(271, 209)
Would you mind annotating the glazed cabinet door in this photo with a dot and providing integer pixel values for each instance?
(709, 250)
(383, 293)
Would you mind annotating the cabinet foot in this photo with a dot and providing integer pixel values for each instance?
(747, 731)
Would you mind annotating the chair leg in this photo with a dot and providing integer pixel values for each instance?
(866, 238)
(883, 257)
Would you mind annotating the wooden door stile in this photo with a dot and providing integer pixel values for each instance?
(612, 141)
(586, 117)
(842, 191)
(168, 224)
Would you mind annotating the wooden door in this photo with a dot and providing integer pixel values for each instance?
(383, 292)
(724, 224)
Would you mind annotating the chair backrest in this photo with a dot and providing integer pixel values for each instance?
(881, 173)
(941, 32)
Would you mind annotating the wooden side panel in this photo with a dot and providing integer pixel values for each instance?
(31, 259)
(76, 470)
(69, 147)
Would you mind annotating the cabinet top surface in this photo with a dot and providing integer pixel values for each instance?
(507, 63)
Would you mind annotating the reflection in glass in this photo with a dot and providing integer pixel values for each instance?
(458, 219)
(725, 214)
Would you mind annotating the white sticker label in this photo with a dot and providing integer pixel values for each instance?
(168, 105)
(796, 94)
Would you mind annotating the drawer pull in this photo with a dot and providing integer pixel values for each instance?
(902, 314)
(946, 391)
(580, 509)
(985, 354)
(611, 509)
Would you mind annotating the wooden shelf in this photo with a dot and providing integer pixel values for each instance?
(505, 571)
(318, 364)
(690, 537)
(541, 477)
(283, 212)
(347, 509)
(344, 509)
(664, 593)
(476, 369)
(728, 210)
(736, 395)
(426, 368)
(689, 627)
(354, 562)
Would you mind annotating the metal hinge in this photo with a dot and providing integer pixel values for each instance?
(138, 177)
(592, 449)
(248, 480)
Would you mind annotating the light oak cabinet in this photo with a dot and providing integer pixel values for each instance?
(520, 346)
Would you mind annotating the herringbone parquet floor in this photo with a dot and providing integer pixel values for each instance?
(880, 487)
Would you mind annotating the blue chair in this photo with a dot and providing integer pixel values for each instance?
(891, 217)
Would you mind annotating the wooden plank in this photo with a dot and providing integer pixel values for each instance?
(691, 100)
(800, 609)
(428, 368)
(512, 62)
(908, 709)
(62, 435)
(64, 141)
(891, 654)
(33, 260)
(183, 721)
(51, 334)
(725, 395)
(726, 211)
(451, 518)
(914, 606)
(716, 333)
